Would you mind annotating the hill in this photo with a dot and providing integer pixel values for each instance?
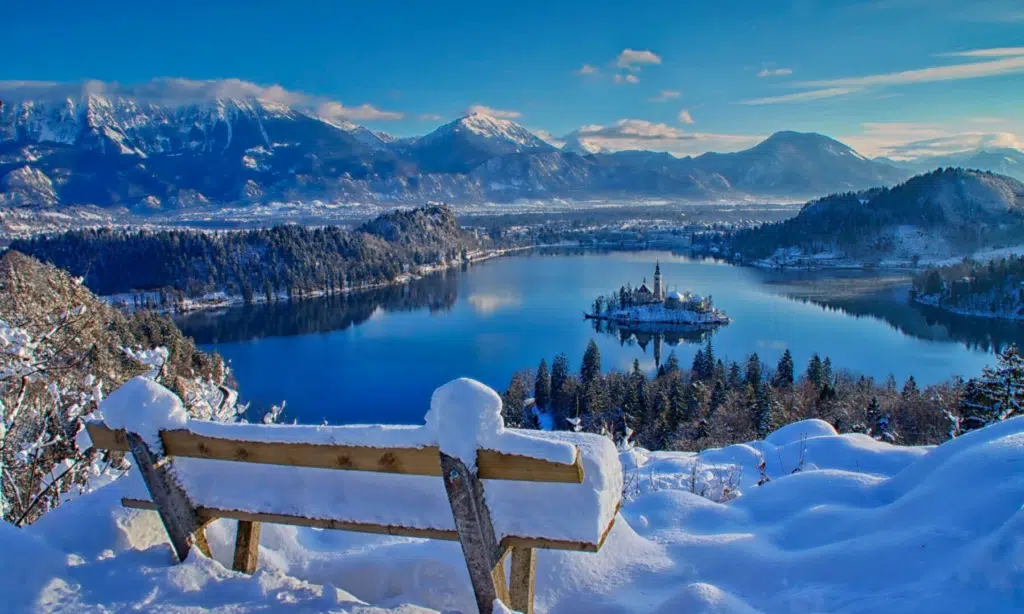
(286, 260)
(948, 213)
(61, 351)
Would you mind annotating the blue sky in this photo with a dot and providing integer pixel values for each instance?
(679, 76)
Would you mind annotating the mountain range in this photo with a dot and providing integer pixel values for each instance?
(146, 155)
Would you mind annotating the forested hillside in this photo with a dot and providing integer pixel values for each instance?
(948, 212)
(266, 262)
(61, 351)
(994, 288)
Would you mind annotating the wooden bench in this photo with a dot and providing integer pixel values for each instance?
(189, 492)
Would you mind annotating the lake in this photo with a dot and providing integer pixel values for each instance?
(377, 356)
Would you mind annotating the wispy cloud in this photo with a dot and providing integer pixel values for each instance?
(829, 92)
(632, 59)
(631, 79)
(430, 117)
(586, 70)
(486, 110)
(994, 52)
(775, 72)
(685, 117)
(665, 96)
(971, 70)
(908, 140)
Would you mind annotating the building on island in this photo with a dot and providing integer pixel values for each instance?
(647, 295)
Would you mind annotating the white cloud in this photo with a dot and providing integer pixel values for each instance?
(641, 134)
(585, 70)
(775, 72)
(994, 52)
(430, 117)
(187, 91)
(486, 110)
(630, 79)
(684, 117)
(364, 112)
(802, 96)
(632, 59)
(907, 140)
(665, 95)
(549, 138)
(971, 70)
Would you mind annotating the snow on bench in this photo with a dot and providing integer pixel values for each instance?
(503, 490)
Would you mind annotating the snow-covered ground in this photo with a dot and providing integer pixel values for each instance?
(862, 527)
(659, 314)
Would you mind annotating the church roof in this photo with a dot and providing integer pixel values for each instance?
(675, 296)
(644, 288)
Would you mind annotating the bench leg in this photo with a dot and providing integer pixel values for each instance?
(183, 525)
(524, 566)
(247, 546)
(484, 557)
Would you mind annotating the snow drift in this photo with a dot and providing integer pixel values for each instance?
(862, 526)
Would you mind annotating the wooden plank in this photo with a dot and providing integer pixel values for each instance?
(476, 533)
(493, 465)
(340, 525)
(178, 516)
(522, 579)
(247, 546)
(410, 461)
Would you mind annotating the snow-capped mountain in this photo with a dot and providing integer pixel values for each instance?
(462, 145)
(1003, 160)
(140, 148)
(581, 146)
(799, 163)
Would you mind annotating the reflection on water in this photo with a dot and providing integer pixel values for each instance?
(377, 356)
(650, 334)
(436, 293)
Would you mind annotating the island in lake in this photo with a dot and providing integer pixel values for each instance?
(654, 306)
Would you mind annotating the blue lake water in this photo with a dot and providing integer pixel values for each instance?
(378, 356)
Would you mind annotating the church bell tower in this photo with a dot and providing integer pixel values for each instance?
(659, 294)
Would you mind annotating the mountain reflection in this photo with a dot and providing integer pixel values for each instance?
(319, 315)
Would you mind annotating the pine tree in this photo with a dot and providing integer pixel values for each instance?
(590, 370)
(699, 367)
(764, 411)
(815, 371)
(784, 371)
(998, 394)
(672, 363)
(709, 356)
(910, 389)
(559, 387)
(719, 372)
(735, 378)
(693, 398)
(871, 415)
(717, 398)
(542, 386)
(827, 376)
(513, 401)
(752, 374)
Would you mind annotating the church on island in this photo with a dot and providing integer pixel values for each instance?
(647, 296)
(647, 304)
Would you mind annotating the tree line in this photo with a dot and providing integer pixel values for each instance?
(717, 402)
(287, 260)
(996, 286)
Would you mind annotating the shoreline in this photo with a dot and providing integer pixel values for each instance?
(193, 305)
(988, 315)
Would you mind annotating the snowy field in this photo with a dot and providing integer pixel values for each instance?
(862, 527)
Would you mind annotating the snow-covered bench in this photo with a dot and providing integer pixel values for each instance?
(502, 490)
